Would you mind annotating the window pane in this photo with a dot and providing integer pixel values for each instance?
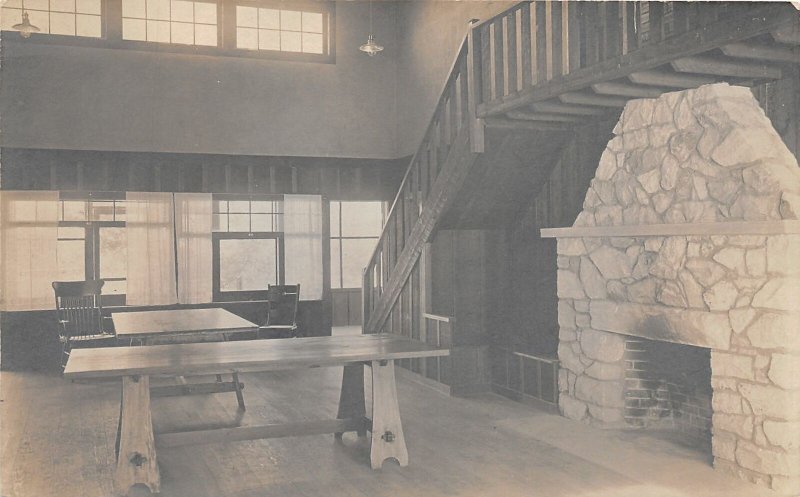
(16, 4)
(239, 222)
(115, 287)
(336, 267)
(263, 206)
(312, 43)
(239, 206)
(37, 4)
(269, 39)
(247, 38)
(290, 20)
(361, 218)
(246, 265)
(86, 25)
(62, 6)
(71, 260)
(119, 210)
(158, 9)
(355, 255)
(290, 41)
(312, 22)
(39, 19)
(335, 206)
(205, 13)
(134, 29)
(62, 24)
(88, 7)
(220, 206)
(246, 17)
(158, 31)
(269, 19)
(74, 210)
(205, 34)
(182, 11)
(71, 232)
(182, 33)
(264, 222)
(133, 8)
(9, 18)
(113, 253)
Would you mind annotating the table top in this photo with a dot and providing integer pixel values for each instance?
(144, 324)
(242, 355)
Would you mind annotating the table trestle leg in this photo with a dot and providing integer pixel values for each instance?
(237, 387)
(136, 459)
(351, 399)
(387, 431)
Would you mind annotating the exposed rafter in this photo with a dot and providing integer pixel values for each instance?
(516, 124)
(559, 108)
(540, 116)
(762, 52)
(670, 79)
(585, 98)
(720, 67)
(624, 90)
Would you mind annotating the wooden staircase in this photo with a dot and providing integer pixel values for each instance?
(548, 66)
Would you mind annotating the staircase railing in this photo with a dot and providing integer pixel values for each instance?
(453, 117)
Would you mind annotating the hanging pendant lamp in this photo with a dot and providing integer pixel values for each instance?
(25, 28)
(370, 47)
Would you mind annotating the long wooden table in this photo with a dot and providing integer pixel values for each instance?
(164, 326)
(136, 455)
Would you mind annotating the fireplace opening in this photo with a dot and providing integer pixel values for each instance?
(668, 389)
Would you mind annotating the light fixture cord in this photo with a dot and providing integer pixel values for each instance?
(370, 16)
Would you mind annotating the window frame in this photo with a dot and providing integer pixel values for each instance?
(338, 238)
(166, 46)
(91, 237)
(111, 28)
(217, 295)
(71, 39)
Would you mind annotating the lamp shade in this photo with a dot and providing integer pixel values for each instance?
(370, 47)
(25, 28)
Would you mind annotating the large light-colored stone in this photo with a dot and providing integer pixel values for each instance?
(773, 402)
(657, 322)
(785, 434)
(601, 393)
(783, 254)
(569, 286)
(643, 291)
(786, 485)
(566, 315)
(670, 169)
(671, 294)
(740, 425)
(608, 165)
(784, 371)
(651, 180)
(569, 359)
(732, 365)
(732, 258)
(706, 272)
(772, 330)
(608, 215)
(670, 258)
(724, 190)
(602, 346)
(691, 289)
(604, 371)
(740, 318)
(723, 445)
(779, 293)
(570, 246)
(571, 407)
(593, 283)
(746, 145)
(612, 263)
(721, 296)
(609, 415)
(756, 207)
(767, 461)
(684, 142)
(756, 262)
(727, 402)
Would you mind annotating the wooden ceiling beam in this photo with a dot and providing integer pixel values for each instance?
(515, 124)
(669, 79)
(770, 53)
(625, 90)
(559, 108)
(584, 98)
(720, 67)
(789, 34)
(541, 116)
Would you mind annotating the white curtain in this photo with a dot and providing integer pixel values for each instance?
(193, 230)
(28, 256)
(151, 253)
(302, 232)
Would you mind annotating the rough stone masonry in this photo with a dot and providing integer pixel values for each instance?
(706, 156)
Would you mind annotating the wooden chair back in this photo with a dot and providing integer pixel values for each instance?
(80, 311)
(283, 301)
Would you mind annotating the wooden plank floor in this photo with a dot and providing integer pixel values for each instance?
(58, 440)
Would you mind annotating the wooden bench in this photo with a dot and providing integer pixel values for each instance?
(136, 448)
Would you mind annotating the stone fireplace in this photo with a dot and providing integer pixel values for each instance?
(689, 238)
